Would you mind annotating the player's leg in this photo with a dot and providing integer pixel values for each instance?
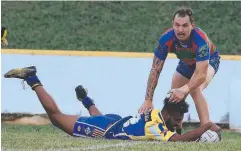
(88, 103)
(94, 111)
(199, 98)
(60, 120)
(178, 80)
(93, 126)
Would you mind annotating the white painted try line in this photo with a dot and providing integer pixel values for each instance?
(93, 147)
(105, 146)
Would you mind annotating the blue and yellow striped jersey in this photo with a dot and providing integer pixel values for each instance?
(148, 126)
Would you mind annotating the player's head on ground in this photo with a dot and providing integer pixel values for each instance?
(183, 23)
(176, 111)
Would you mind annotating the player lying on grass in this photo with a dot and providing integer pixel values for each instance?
(146, 126)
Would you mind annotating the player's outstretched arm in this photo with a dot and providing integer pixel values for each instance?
(199, 75)
(193, 135)
(156, 69)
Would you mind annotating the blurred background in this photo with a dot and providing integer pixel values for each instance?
(117, 84)
(114, 26)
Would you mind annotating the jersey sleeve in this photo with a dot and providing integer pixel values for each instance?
(161, 50)
(203, 45)
(203, 52)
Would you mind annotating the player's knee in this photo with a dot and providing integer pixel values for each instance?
(54, 123)
(54, 118)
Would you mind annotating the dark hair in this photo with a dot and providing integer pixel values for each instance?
(182, 12)
(182, 106)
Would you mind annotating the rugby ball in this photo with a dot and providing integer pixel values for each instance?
(209, 136)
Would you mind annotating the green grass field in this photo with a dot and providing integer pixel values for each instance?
(19, 137)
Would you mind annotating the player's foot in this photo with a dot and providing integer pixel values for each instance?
(21, 73)
(81, 92)
(28, 74)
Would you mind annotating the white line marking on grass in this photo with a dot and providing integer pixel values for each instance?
(105, 146)
(93, 147)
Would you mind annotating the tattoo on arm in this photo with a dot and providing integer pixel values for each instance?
(156, 69)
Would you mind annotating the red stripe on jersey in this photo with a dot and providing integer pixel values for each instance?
(205, 37)
(169, 45)
(194, 47)
(189, 61)
(212, 48)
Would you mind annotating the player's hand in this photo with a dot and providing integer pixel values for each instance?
(146, 106)
(179, 94)
(215, 127)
